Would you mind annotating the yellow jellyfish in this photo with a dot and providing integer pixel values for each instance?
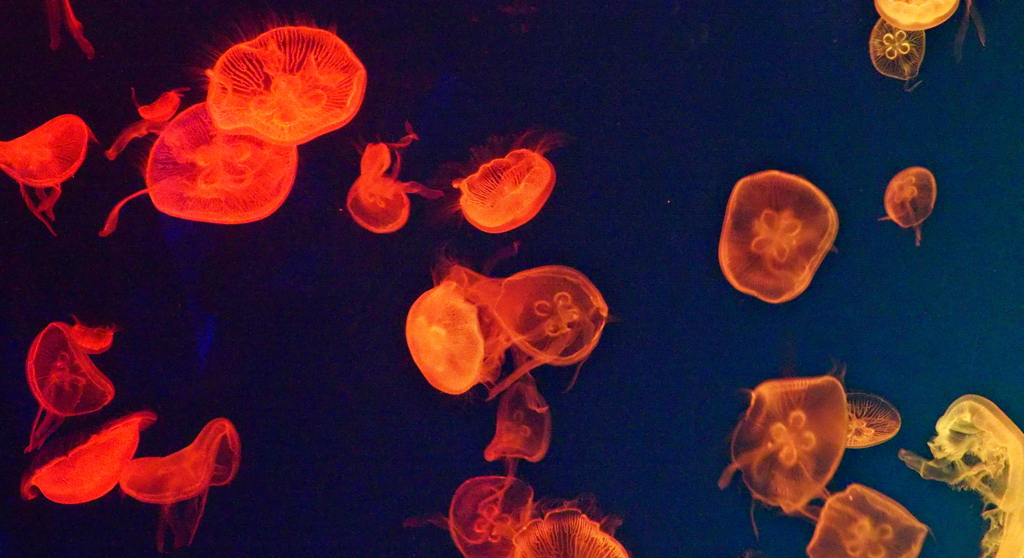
(977, 447)
(896, 53)
(861, 522)
(872, 420)
(915, 15)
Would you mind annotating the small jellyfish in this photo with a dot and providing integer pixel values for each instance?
(861, 522)
(286, 86)
(92, 340)
(200, 173)
(777, 229)
(41, 160)
(378, 201)
(179, 482)
(63, 380)
(789, 442)
(486, 513)
(977, 447)
(524, 425)
(915, 15)
(155, 117)
(872, 420)
(507, 187)
(55, 9)
(567, 532)
(896, 53)
(81, 469)
(910, 199)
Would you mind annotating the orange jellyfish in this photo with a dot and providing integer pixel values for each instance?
(977, 447)
(861, 522)
(41, 160)
(180, 482)
(777, 229)
(524, 425)
(915, 15)
(872, 420)
(63, 380)
(567, 532)
(78, 471)
(896, 53)
(788, 444)
(54, 10)
(155, 117)
(200, 173)
(507, 188)
(378, 201)
(92, 340)
(910, 199)
(486, 513)
(286, 86)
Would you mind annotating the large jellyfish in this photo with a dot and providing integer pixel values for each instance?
(896, 53)
(977, 447)
(916, 15)
(286, 86)
(777, 229)
(155, 117)
(910, 199)
(567, 532)
(861, 522)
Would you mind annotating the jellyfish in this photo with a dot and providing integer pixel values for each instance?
(486, 513)
(915, 15)
(155, 117)
(63, 380)
(507, 188)
(861, 522)
(777, 229)
(81, 469)
(524, 425)
(54, 10)
(970, 14)
(896, 53)
(789, 442)
(378, 201)
(977, 447)
(910, 198)
(92, 340)
(286, 86)
(872, 420)
(179, 482)
(41, 160)
(200, 173)
(567, 532)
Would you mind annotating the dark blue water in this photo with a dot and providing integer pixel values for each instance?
(292, 327)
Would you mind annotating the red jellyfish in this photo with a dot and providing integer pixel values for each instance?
(63, 379)
(378, 201)
(92, 340)
(568, 532)
(155, 117)
(180, 482)
(54, 10)
(41, 160)
(200, 173)
(524, 425)
(79, 470)
(286, 86)
(486, 513)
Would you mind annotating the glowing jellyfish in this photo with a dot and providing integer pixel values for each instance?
(872, 420)
(524, 425)
(378, 201)
(92, 340)
(896, 53)
(78, 471)
(567, 532)
(507, 188)
(41, 160)
(915, 15)
(788, 444)
(55, 9)
(486, 513)
(910, 198)
(63, 380)
(179, 482)
(155, 117)
(977, 447)
(199, 173)
(777, 229)
(860, 522)
(286, 86)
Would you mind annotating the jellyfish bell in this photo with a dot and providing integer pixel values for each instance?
(41, 160)
(523, 428)
(82, 469)
(777, 229)
(872, 420)
(508, 187)
(486, 513)
(154, 118)
(788, 444)
(567, 532)
(860, 521)
(287, 86)
(916, 15)
(200, 173)
(896, 53)
(910, 199)
(63, 380)
(92, 340)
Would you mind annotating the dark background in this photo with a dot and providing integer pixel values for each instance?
(292, 327)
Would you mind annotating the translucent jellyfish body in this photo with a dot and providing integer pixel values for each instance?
(910, 199)
(896, 53)
(872, 420)
(155, 117)
(567, 532)
(916, 15)
(861, 522)
(524, 424)
(486, 513)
